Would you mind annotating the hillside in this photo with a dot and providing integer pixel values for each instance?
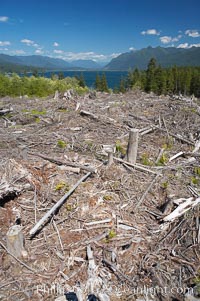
(20, 63)
(166, 57)
(14, 64)
(86, 64)
(129, 231)
(44, 62)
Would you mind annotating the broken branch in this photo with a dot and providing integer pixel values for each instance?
(182, 208)
(57, 205)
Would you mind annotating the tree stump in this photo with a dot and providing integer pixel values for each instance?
(15, 241)
(110, 158)
(131, 153)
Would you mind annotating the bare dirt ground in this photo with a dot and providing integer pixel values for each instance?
(117, 212)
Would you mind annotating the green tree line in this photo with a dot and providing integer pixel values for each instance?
(101, 83)
(14, 85)
(174, 80)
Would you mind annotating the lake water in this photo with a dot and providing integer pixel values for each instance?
(113, 77)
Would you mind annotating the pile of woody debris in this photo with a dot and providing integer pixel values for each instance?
(99, 198)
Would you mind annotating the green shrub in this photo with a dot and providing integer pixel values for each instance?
(120, 148)
(14, 85)
(61, 144)
(146, 160)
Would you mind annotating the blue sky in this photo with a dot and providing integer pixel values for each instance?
(98, 30)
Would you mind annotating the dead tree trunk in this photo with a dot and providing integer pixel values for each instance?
(131, 153)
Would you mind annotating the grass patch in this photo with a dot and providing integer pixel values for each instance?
(145, 160)
(120, 148)
(61, 144)
(36, 112)
(62, 186)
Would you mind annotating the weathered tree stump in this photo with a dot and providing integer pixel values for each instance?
(131, 153)
(15, 241)
(110, 158)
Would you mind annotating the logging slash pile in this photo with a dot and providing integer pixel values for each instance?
(99, 196)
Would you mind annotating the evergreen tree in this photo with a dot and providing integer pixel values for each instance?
(186, 80)
(61, 75)
(104, 85)
(176, 80)
(134, 79)
(160, 81)
(129, 80)
(81, 81)
(150, 76)
(195, 82)
(169, 81)
(122, 86)
(4, 85)
(97, 83)
(35, 73)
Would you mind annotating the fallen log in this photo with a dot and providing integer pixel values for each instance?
(51, 212)
(58, 162)
(136, 166)
(88, 114)
(183, 207)
(6, 111)
(178, 137)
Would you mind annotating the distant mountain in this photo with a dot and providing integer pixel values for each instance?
(13, 64)
(46, 63)
(4, 58)
(87, 64)
(37, 61)
(166, 57)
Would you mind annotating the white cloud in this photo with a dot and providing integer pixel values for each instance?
(168, 39)
(55, 44)
(150, 32)
(192, 33)
(29, 43)
(19, 51)
(58, 51)
(39, 51)
(165, 39)
(186, 45)
(72, 56)
(5, 43)
(113, 55)
(176, 39)
(194, 45)
(132, 49)
(4, 19)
